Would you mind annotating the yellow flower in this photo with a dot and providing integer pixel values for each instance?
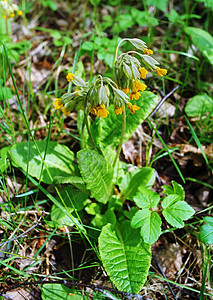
(70, 77)
(65, 112)
(93, 110)
(135, 96)
(125, 90)
(143, 72)
(138, 86)
(160, 72)
(57, 103)
(4, 17)
(102, 112)
(147, 51)
(12, 15)
(132, 107)
(118, 110)
(19, 12)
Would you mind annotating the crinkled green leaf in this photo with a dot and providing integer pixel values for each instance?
(109, 155)
(202, 40)
(96, 173)
(150, 223)
(146, 198)
(125, 257)
(176, 189)
(175, 211)
(72, 200)
(206, 231)
(199, 105)
(135, 179)
(58, 160)
(111, 127)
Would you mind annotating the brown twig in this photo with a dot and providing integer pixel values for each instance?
(70, 284)
(162, 101)
(20, 235)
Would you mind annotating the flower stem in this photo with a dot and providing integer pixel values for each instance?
(88, 129)
(116, 52)
(122, 136)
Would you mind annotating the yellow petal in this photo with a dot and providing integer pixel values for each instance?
(147, 51)
(132, 107)
(143, 72)
(161, 72)
(70, 77)
(118, 110)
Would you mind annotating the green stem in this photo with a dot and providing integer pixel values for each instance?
(7, 30)
(94, 36)
(88, 129)
(122, 136)
(116, 51)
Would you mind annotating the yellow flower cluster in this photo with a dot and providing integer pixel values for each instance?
(97, 97)
(9, 9)
(59, 105)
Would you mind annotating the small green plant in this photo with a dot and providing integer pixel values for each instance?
(99, 185)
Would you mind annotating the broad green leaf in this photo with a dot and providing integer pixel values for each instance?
(199, 105)
(87, 46)
(58, 160)
(202, 40)
(109, 155)
(170, 200)
(125, 257)
(4, 163)
(177, 189)
(150, 223)
(161, 4)
(5, 93)
(135, 179)
(206, 231)
(60, 219)
(146, 198)
(96, 173)
(56, 291)
(175, 211)
(109, 59)
(111, 127)
(72, 200)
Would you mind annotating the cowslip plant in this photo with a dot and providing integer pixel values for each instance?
(99, 185)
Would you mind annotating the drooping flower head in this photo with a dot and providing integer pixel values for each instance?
(9, 9)
(96, 97)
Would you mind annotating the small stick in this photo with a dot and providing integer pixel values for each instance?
(162, 272)
(163, 100)
(17, 237)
